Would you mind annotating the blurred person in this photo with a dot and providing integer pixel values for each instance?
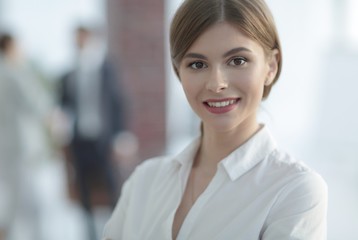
(232, 182)
(21, 117)
(93, 106)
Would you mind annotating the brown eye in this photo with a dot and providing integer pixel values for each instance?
(238, 61)
(197, 65)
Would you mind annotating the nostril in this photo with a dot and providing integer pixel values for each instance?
(217, 86)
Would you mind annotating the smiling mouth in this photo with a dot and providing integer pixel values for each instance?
(221, 103)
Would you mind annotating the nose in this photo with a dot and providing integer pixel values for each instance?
(217, 81)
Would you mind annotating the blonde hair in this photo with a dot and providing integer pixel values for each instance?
(253, 17)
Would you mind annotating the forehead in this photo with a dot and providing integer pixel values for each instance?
(222, 37)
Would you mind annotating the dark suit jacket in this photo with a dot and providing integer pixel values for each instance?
(113, 102)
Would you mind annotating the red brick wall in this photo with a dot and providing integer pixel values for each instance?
(136, 35)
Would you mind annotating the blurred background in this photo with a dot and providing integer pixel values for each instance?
(310, 110)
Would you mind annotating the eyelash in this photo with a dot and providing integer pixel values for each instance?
(241, 59)
(231, 62)
(192, 65)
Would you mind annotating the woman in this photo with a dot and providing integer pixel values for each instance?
(233, 182)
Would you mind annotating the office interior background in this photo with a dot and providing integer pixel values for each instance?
(310, 111)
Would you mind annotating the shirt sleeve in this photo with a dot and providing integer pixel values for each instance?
(114, 227)
(300, 211)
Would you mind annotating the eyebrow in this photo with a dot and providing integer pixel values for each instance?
(236, 50)
(228, 53)
(195, 55)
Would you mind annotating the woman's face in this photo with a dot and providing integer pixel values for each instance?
(223, 75)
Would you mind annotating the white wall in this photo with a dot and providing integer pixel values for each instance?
(44, 28)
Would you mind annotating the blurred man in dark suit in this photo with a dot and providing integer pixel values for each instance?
(93, 103)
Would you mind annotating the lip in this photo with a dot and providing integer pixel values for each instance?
(224, 109)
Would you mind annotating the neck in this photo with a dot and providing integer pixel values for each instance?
(217, 145)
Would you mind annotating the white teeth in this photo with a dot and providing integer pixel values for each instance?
(221, 104)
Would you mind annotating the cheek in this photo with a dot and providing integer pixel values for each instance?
(191, 82)
(192, 92)
(247, 80)
(251, 84)
(190, 87)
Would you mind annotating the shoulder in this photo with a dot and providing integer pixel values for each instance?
(298, 209)
(285, 162)
(153, 163)
(152, 168)
(296, 177)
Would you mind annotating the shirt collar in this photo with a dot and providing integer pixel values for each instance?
(249, 154)
(240, 160)
(188, 154)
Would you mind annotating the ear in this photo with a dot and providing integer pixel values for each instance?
(272, 62)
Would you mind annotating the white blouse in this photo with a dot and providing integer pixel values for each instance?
(258, 192)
